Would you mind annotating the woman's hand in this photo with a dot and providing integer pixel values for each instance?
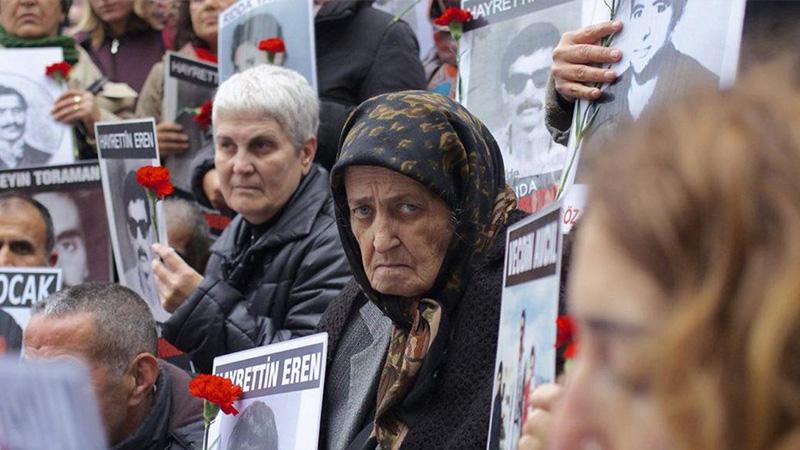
(76, 105)
(537, 427)
(576, 55)
(171, 139)
(175, 280)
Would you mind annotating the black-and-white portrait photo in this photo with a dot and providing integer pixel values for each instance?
(81, 231)
(135, 232)
(669, 47)
(29, 137)
(507, 90)
(244, 25)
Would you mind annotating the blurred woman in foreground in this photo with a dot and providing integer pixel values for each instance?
(685, 283)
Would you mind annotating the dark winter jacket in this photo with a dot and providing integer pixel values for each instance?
(176, 420)
(456, 413)
(271, 290)
(361, 52)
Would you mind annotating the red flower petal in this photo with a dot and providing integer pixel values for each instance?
(203, 117)
(453, 14)
(217, 390)
(272, 45)
(156, 179)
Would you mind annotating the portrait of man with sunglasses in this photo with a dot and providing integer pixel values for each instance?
(532, 160)
(140, 238)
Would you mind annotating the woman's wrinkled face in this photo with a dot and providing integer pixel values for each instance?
(607, 403)
(30, 19)
(403, 230)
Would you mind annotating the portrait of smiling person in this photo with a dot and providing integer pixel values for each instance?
(14, 150)
(280, 261)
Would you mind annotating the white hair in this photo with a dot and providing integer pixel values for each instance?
(274, 92)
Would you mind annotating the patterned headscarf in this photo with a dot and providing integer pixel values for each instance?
(436, 142)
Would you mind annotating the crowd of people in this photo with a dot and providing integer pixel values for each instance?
(375, 209)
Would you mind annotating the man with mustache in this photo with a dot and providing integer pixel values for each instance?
(14, 151)
(533, 161)
(139, 225)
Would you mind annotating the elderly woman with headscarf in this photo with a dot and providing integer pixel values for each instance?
(37, 23)
(422, 207)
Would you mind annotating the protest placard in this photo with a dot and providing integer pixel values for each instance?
(188, 84)
(73, 195)
(281, 404)
(506, 89)
(30, 136)
(23, 287)
(526, 344)
(248, 22)
(123, 148)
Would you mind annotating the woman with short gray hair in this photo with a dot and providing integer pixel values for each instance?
(279, 263)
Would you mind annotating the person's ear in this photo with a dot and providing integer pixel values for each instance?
(307, 154)
(144, 370)
(504, 94)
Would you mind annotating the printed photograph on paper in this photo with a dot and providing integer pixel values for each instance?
(188, 83)
(526, 344)
(669, 47)
(123, 148)
(247, 22)
(29, 137)
(505, 68)
(281, 404)
(73, 195)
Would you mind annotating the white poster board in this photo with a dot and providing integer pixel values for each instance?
(244, 24)
(281, 405)
(506, 59)
(23, 287)
(526, 343)
(123, 148)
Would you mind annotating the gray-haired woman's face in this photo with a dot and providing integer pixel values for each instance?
(403, 230)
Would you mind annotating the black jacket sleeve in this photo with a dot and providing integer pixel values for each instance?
(396, 67)
(218, 318)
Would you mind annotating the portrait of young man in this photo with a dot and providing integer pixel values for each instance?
(15, 151)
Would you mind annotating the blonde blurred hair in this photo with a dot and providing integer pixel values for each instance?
(705, 198)
(96, 30)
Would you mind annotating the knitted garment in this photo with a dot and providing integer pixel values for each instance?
(65, 42)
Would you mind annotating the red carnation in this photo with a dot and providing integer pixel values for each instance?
(156, 179)
(272, 46)
(203, 115)
(453, 14)
(216, 390)
(58, 71)
(565, 336)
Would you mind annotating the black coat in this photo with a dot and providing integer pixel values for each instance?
(269, 291)
(361, 52)
(455, 413)
(175, 421)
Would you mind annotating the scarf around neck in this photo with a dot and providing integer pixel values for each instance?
(66, 43)
(436, 142)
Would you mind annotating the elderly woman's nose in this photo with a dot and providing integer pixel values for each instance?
(385, 236)
(242, 163)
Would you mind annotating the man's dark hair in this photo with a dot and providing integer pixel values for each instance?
(534, 37)
(678, 6)
(255, 429)
(5, 90)
(132, 191)
(123, 322)
(49, 234)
